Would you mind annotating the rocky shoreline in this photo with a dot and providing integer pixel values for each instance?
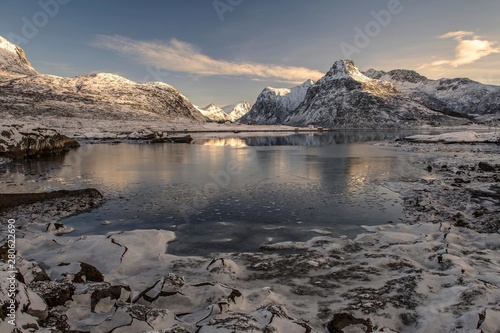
(437, 271)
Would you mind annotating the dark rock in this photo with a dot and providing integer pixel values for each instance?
(39, 274)
(88, 273)
(409, 318)
(113, 292)
(33, 142)
(484, 166)
(183, 139)
(461, 181)
(53, 293)
(344, 320)
(17, 199)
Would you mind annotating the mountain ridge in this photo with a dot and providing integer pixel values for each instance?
(90, 96)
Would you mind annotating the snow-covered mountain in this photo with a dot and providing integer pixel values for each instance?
(238, 110)
(346, 98)
(274, 104)
(459, 95)
(213, 112)
(13, 60)
(94, 96)
(231, 112)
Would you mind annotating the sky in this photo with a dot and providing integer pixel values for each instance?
(225, 51)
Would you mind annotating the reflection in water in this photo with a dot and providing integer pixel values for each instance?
(308, 139)
(232, 194)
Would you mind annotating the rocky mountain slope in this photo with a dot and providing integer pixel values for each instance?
(274, 104)
(450, 96)
(94, 96)
(346, 98)
(13, 61)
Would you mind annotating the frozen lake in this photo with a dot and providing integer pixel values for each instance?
(234, 194)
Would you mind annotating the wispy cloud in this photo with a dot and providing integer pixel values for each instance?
(179, 56)
(470, 49)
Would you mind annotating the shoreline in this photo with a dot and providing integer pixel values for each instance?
(431, 273)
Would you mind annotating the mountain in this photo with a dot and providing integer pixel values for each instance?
(274, 104)
(231, 112)
(450, 96)
(346, 98)
(238, 110)
(213, 112)
(13, 60)
(93, 96)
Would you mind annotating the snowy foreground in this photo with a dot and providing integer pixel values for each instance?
(438, 271)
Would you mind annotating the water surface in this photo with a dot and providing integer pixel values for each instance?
(235, 193)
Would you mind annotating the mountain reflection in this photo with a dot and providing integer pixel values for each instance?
(307, 139)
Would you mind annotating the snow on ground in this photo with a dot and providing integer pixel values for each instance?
(90, 129)
(458, 137)
(437, 271)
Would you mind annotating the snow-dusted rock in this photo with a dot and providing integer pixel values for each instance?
(22, 140)
(457, 137)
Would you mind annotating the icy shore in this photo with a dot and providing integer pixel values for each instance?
(437, 271)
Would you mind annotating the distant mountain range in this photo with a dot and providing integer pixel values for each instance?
(347, 98)
(344, 98)
(232, 112)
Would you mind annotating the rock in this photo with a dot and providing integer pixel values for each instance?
(23, 141)
(59, 229)
(341, 321)
(224, 267)
(112, 292)
(183, 139)
(485, 166)
(53, 293)
(88, 273)
(17, 199)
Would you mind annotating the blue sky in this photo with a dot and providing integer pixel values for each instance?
(224, 51)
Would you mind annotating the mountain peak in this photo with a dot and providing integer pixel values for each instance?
(346, 68)
(212, 106)
(307, 83)
(13, 59)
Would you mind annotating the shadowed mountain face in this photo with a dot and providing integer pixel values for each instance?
(25, 92)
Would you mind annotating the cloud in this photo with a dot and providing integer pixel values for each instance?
(179, 56)
(470, 49)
